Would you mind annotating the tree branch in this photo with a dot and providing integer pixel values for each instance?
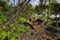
(18, 11)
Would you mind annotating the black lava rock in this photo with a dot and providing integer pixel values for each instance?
(52, 30)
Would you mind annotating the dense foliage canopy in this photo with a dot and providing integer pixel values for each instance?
(14, 16)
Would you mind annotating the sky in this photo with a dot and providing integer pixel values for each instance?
(58, 1)
(33, 2)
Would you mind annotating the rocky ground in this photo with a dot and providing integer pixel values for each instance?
(41, 31)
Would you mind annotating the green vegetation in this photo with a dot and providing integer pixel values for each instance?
(14, 30)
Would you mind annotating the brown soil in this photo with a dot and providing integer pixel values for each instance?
(41, 32)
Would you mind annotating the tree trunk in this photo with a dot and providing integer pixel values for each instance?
(19, 10)
(56, 20)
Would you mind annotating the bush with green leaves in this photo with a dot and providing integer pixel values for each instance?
(15, 30)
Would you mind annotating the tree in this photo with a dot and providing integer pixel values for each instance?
(56, 10)
(6, 17)
(40, 9)
(4, 10)
(19, 10)
(44, 8)
(28, 12)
